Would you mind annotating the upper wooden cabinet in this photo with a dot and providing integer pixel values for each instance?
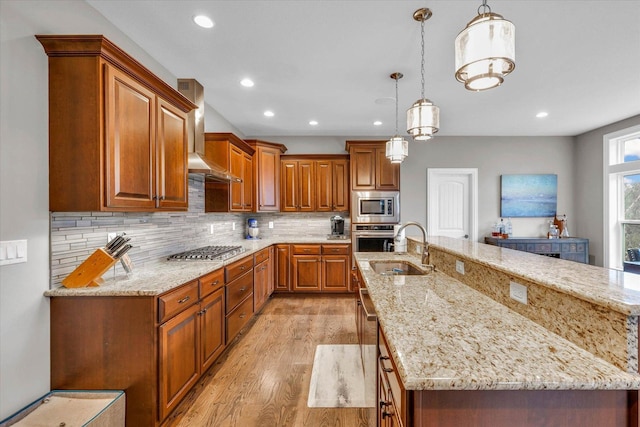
(370, 168)
(315, 183)
(266, 175)
(117, 132)
(236, 156)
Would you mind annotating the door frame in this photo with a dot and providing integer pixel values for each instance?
(472, 173)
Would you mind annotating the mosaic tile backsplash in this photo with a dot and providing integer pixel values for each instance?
(75, 235)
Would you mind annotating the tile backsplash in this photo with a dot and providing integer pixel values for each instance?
(75, 235)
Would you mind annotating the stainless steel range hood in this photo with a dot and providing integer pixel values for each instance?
(197, 162)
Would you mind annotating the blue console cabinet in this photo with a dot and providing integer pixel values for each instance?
(573, 249)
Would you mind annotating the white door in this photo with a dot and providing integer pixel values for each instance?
(452, 202)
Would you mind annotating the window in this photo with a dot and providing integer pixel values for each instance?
(622, 195)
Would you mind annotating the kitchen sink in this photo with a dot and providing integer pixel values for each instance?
(397, 268)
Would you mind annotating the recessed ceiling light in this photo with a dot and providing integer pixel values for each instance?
(203, 21)
(269, 113)
(246, 82)
(377, 123)
(313, 123)
(542, 114)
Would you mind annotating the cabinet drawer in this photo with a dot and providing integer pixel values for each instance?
(238, 290)
(389, 371)
(336, 250)
(238, 268)
(261, 256)
(211, 282)
(238, 318)
(306, 249)
(173, 302)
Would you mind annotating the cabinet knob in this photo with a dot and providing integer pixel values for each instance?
(162, 198)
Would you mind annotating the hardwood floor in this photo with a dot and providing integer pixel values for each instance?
(263, 379)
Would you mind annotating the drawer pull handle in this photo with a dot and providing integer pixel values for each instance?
(384, 357)
(242, 267)
(243, 315)
(242, 289)
(215, 283)
(185, 299)
(387, 369)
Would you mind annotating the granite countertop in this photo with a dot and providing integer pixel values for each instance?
(444, 335)
(165, 275)
(610, 288)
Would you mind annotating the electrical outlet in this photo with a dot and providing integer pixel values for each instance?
(460, 266)
(210, 228)
(233, 225)
(418, 249)
(270, 224)
(518, 292)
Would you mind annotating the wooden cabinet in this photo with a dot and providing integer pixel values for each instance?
(320, 268)
(282, 268)
(236, 156)
(262, 278)
(370, 168)
(266, 175)
(155, 348)
(239, 295)
(315, 183)
(117, 133)
(297, 186)
(393, 399)
(332, 185)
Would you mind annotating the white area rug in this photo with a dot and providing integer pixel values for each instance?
(338, 380)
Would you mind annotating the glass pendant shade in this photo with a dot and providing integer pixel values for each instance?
(485, 52)
(397, 149)
(423, 120)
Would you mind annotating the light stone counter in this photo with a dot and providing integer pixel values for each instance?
(444, 335)
(609, 288)
(165, 275)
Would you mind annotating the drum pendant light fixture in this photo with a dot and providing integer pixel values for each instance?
(423, 118)
(397, 147)
(485, 50)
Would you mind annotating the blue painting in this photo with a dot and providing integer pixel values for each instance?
(529, 196)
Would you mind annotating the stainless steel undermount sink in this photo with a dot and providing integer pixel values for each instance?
(397, 268)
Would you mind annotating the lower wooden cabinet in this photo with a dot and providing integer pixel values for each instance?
(239, 290)
(319, 268)
(212, 329)
(282, 268)
(262, 278)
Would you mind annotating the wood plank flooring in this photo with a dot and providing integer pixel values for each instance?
(262, 380)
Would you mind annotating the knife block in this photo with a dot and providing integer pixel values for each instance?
(90, 272)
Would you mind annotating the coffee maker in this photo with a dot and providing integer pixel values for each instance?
(337, 225)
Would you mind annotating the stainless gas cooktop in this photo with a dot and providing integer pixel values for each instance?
(208, 253)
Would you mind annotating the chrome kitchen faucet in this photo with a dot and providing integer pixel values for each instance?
(425, 245)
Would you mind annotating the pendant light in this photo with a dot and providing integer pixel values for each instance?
(423, 118)
(397, 147)
(485, 50)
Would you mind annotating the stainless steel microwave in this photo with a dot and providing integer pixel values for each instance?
(375, 207)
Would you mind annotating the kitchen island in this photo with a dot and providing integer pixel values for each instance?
(460, 353)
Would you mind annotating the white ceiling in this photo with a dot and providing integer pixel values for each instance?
(330, 61)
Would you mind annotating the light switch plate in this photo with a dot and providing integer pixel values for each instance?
(13, 252)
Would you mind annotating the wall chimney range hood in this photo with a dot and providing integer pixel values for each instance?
(197, 162)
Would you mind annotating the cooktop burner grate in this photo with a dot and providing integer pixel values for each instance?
(208, 253)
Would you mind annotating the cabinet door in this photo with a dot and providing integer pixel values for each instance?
(179, 358)
(387, 173)
(236, 166)
(306, 176)
(289, 186)
(260, 284)
(324, 181)
(270, 275)
(335, 273)
(363, 168)
(247, 183)
(268, 174)
(340, 185)
(306, 272)
(171, 157)
(282, 268)
(212, 328)
(130, 142)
